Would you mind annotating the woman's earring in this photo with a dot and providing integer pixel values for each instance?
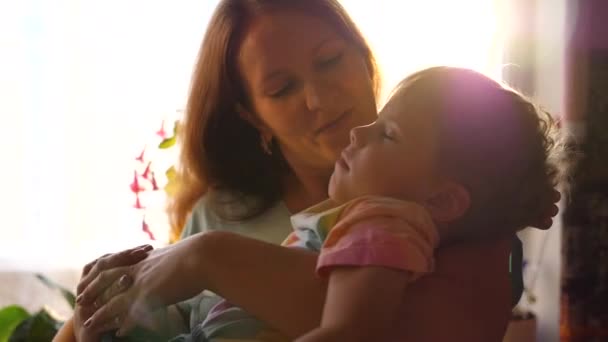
(265, 144)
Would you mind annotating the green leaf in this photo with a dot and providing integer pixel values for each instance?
(172, 184)
(68, 295)
(171, 173)
(168, 142)
(41, 327)
(176, 127)
(10, 318)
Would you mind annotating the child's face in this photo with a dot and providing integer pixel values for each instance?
(395, 156)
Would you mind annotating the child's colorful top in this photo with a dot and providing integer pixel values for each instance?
(367, 231)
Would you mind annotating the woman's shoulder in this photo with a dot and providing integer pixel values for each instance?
(272, 225)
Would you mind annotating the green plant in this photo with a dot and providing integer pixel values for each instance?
(10, 318)
(145, 178)
(17, 324)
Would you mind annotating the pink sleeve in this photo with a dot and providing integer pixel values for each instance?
(381, 241)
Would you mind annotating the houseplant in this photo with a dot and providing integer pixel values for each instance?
(151, 175)
(17, 324)
(154, 179)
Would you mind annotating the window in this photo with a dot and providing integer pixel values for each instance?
(409, 35)
(86, 83)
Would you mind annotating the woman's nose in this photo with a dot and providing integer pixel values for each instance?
(318, 96)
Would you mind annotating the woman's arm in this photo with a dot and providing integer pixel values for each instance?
(275, 284)
(362, 304)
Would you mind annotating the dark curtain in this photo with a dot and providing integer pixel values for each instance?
(584, 295)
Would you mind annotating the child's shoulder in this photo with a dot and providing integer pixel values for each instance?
(384, 205)
(370, 207)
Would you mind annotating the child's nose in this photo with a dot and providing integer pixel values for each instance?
(356, 136)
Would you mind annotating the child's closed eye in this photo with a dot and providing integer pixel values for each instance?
(388, 135)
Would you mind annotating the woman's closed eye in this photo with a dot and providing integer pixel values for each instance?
(290, 85)
(281, 91)
(331, 61)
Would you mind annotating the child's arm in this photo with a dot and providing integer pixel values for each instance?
(361, 305)
(66, 332)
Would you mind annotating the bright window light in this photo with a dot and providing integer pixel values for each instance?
(85, 84)
(408, 35)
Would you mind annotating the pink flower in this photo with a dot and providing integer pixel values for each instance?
(140, 158)
(138, 204)
(161, 132)
(135, 186)
(146, 229)
(146, 173)
(154, 184)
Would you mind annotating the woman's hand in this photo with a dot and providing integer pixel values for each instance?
(108, 261)
(81, 333)
(83, 313)
(133, 292)
(546, 222)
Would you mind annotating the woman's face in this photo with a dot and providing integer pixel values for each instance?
(307, 87)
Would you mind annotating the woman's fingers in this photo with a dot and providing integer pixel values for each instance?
(108, 261)
(118, 257)
(111, 315)
(121, 313)
(140, 249)
(97, 286)
(122, 284)
(139, 314)
(87, 268)
(127, 325)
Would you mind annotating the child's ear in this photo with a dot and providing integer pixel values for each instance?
(449, 203)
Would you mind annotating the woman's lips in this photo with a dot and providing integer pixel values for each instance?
(333, 124)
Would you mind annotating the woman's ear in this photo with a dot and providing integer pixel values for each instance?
(450, 203)
(248, 116)
(253, 120)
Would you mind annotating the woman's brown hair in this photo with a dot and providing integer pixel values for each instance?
(220, 153)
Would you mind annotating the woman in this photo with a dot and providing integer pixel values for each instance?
(277, 88)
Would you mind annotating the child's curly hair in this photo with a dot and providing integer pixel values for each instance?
(495, 142)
